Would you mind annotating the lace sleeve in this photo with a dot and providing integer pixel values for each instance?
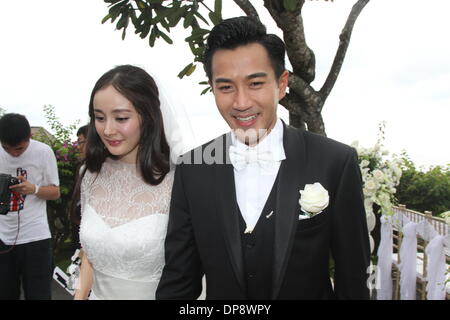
(84, 187)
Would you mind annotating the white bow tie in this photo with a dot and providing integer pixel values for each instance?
(241, 158)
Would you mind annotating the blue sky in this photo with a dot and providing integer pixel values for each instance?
(397, 68)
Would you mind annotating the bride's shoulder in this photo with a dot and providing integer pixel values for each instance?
(168, 179)
(87, 176)
(167, 182)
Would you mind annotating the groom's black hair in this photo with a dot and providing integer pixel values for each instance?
(235, 32)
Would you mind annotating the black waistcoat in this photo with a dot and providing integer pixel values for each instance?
(258, 250)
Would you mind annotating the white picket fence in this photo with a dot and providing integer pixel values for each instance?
(414, 231)
(438, 223)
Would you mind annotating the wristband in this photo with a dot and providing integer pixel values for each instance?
(36, 190)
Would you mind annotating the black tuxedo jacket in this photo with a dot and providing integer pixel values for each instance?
(203, 234)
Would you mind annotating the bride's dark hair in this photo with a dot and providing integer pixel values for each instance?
(140, 89)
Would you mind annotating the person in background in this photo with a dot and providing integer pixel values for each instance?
(81, 141)
(25, 239)
(75, 209)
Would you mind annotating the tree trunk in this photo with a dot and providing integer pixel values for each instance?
(296, 121)
(303, 102)
(316, 125)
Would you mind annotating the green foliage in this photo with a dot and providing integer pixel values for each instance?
(424, 190)
(207, 89)
(154, 19)
(66, 153)
(380, 175)
(151, 17)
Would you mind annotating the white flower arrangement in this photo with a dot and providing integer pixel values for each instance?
(380, 176)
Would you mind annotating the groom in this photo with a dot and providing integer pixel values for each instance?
(237, 214)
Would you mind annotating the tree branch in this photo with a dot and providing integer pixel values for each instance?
(208, 8)
(290, 104)
(307, 93)
(342, 49)
(248, 8)
(291, 23)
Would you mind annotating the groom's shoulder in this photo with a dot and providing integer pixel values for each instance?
(322, 144)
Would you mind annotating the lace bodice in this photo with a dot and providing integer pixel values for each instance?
(124, 222)
(119, 195)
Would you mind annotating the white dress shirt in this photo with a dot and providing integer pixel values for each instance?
(254, 183)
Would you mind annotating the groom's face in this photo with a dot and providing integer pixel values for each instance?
(246, 88)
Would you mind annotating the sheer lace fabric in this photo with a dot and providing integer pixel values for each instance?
(119, 195)
(123, 226)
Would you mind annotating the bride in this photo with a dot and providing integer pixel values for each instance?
(125, 185)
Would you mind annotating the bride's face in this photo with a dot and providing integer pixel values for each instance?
(117, 123)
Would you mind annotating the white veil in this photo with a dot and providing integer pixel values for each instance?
(177, 124)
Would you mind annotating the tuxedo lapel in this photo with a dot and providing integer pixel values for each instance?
(291, 179)
(228, 213)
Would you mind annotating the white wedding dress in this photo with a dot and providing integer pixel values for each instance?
(123, 227)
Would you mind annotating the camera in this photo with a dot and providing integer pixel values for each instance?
(13, 181)
(6, 180)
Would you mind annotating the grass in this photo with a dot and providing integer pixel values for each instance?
(64, 254)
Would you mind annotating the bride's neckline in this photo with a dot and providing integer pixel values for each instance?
(120, 163)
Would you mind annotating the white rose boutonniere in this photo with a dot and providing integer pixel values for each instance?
(313, 200)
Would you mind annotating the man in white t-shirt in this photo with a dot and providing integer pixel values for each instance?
(25, 239)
